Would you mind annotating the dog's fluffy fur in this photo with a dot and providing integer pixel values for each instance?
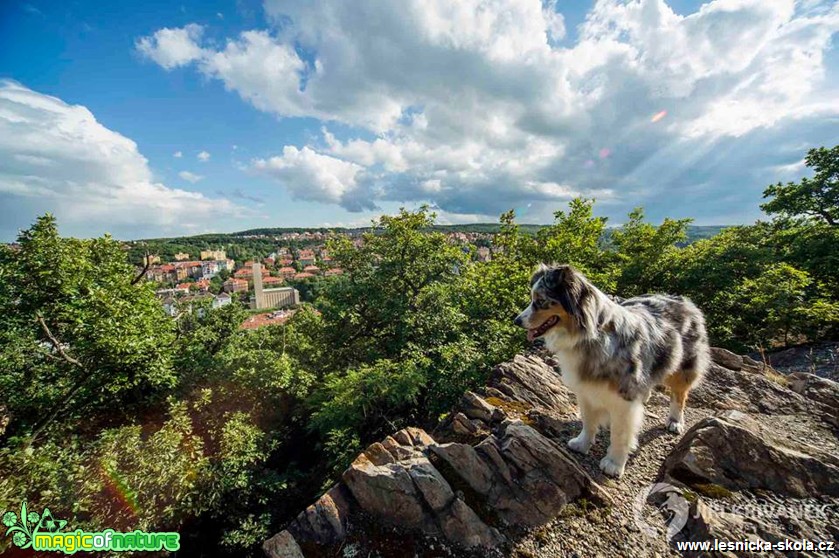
(613, 352)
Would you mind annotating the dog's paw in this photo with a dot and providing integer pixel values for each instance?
(611, 467)
(580, 444)
(675, 426)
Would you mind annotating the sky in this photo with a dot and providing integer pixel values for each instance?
(149, 119)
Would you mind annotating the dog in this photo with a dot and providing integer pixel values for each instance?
(612, 352)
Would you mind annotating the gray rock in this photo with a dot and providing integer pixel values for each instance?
(734, 452)
(282, 545)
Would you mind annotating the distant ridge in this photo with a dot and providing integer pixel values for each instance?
(695, 232)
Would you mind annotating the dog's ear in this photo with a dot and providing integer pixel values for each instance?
(557, 279)
(538, 273)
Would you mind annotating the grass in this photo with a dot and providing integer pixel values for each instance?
(714, 491)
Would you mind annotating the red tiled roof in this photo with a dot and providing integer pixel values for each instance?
(303, 275)
(312, 268)
(259, 320)
(267, 280)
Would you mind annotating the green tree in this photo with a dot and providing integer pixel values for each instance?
(816, 197)
(79, 329)
(772, 306)
(576, 238)
(643, 251)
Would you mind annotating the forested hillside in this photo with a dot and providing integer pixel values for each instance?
(230, 430)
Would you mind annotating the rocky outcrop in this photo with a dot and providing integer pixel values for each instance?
(485, 471)
(494, 478)
(733, 451)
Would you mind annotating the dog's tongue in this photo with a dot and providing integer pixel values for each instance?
(531, 334)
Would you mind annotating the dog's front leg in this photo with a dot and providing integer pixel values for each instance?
(590, 418)
(625, 421)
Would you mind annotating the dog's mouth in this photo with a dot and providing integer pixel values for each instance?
(540, 331)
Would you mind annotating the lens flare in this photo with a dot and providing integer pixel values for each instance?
(658, 116)
(605, 152)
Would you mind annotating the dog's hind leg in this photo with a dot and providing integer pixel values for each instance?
(625, 421)
(679, 383)
(590, 417)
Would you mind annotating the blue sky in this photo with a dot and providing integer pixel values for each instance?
(329, 113)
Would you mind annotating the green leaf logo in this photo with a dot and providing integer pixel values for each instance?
(23, 530)
(50, 523)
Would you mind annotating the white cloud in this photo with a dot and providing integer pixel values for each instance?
(190, 177)
(56, 157)
(171, 48)
(476, 107)
(203, 156)
(177, 154)
(316, 177)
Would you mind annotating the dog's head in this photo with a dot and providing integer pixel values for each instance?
(561, 298)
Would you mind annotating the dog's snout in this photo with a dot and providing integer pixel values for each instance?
(518, 321)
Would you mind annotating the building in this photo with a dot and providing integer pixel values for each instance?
(277, 297)
(334, 271)
(268, 281)
(209, 269)
(170, 306)
(151, 260)
(303, 275)
(306, 257)
(313, 269)
(181, 256)
(234, 285)
(213, 255)
(222, 299)
(287, 272)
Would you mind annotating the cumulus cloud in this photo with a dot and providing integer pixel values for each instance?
(313, 176)
(177, 154)
(171, 48)
(190, 177)
(203, 156)
(477, 106)
(56, 157)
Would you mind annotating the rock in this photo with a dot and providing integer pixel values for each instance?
(490, 471)
(528, 381)
(813, 387)
(462, 525)
(282, 545)
(726, 359)
(733, 452)
(387, 492)
(475, 407)
(727, 389)
(325, 521)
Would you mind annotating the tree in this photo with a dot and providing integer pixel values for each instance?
(643, 249)
(816, 197)
(576, 238)
(77, 330)
(773, 306)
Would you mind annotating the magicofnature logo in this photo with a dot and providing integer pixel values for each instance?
(43, 532)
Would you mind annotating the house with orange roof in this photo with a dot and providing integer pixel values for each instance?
(234, 285)
(272, 281)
